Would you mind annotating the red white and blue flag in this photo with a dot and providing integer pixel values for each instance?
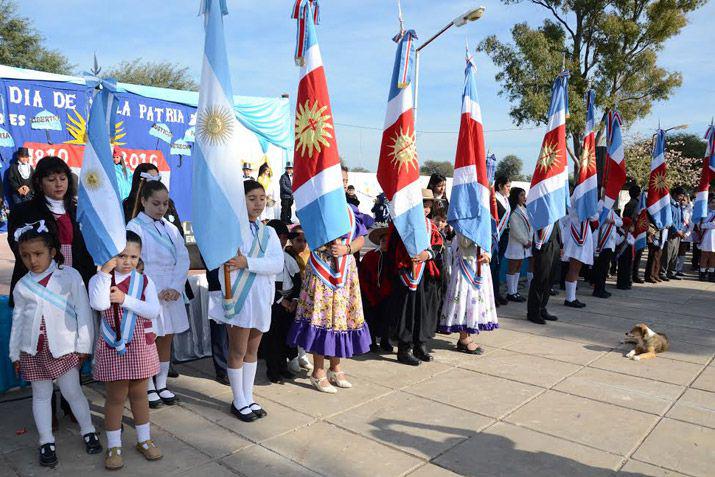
(398, 172)
(470, 208)
(317, 181)
(700, 206)
(658, 201)
(548, 196)
(585, 195)
(641, 226)
(615, 168)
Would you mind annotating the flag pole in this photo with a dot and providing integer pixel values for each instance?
(228, 294)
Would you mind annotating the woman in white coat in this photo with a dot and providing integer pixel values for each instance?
(166, 262)
(520, 239)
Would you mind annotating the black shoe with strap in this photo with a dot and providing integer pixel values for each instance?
(574, 304)
(421, 353)
(516, 298)
(405, 356)
(91, 443)
(48, 455)
(156, 403)
(536, 319)
(245, 414)
(548, 316)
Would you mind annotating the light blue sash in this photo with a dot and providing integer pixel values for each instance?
(162, 240)
(244, 280)
(129, 318)
(55, 299)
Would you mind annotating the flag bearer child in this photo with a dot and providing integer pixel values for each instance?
(166, 262)
(248, 313)
(51, 336)
(125, 353)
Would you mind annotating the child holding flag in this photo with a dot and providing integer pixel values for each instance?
(125, 353)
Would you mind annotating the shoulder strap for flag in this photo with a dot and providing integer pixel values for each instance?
(542, 236)
(579, 233)
(48, 296)
(411, 278)
(244, 280)
(137, 282)
(335, 278)
(162, 240)
(468, 268)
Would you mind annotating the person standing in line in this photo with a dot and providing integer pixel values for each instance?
(675, 234)
(124, 180)
(375, 289)
(707, 244)
(543, 258)
(655, 239)
(219, 336)
(247, 171)
(166, 262)
(502, 186)
(624, 279)
(630, 210)
(286, 194)
(438, 185)
(520, 241)
(578, 251)
(51, 335)
(605, 248)
(19, 177)
(687, 207)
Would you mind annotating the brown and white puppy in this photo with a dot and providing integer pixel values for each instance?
(647, 342)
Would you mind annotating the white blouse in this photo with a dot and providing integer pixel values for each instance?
(99, 290)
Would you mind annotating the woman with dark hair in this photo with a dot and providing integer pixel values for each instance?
(54, 203)
(520, 238)
(438, 185)
(147, 172)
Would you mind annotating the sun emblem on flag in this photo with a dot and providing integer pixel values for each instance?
(588, 159)
(659, 182)
(404, 150)
(92, 180)
(312, 128)
(214, 125)
(642, 223)
(548, 157)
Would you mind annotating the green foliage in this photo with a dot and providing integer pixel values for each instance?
(163, 74)
(445, 168)
(510, 166)
(683, 167)
(612, 44)
(22, 46)
(359, 169)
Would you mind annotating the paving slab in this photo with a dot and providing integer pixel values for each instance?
(445, 352)
(603, 426)
(623, 390)
(706, 380)
(695, 406)
(257, 461)
(410, 423)
(641, 468)
(508, 450)
(557, 349)
(680, 446)
(384, 370)
(476, 392)
(212, 469)
(431, 470)
(521, 367)
(666, 370)
(341, 452)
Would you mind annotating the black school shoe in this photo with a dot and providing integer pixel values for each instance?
(91, 443)
(574, 304)
(536, 319)
(248, 417)
(548, 316)
(48, 456)
(421, 353)
(516, 298)
(405, 356)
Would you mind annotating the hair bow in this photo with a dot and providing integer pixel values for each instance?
(41, 227)
(148, 177)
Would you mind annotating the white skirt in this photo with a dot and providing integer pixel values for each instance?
(173, 318)
(516, 251)
(583, 253)
(466, 308)
(708, 242)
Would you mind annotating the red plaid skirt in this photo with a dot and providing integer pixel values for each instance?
(43, 366)
(141, 360)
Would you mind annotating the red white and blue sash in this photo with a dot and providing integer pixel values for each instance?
(469, 272)
(411, 278)
(579, 233)
(604, 234)
(128, 320)
(331, 277)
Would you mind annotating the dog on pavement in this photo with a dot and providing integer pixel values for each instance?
(647, 342)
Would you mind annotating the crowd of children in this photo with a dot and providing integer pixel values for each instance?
(383, 299)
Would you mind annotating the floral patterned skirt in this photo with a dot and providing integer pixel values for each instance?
(466, 308)
(330, 322)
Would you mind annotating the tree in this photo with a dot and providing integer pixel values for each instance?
(22, 46)
(163, 74)
(359, 169)
(444, 168)
(611, 44)
(510, 166)
(683, 170)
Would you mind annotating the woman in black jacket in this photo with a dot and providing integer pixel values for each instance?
(54, 203)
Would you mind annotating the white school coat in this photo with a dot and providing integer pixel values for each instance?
(708, 230)
(99, 290)
(165, 270)
(64, 335)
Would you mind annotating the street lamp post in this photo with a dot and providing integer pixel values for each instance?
(469, 16)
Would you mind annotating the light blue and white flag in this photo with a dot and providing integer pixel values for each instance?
(99, 207)
(220, 220)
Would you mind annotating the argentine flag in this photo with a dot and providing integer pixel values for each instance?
(220, 220)
(99, 208)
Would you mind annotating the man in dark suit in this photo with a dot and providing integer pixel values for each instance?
(286, 193)
(631, 210)
(19, 177)
(544, 259)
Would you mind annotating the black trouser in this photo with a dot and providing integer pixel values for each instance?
(670, 255)
(496, 264)
(275, 350)
(219, 347)
(286, 212)
(625, 263)
(636, 264)
(600, 270)
(544, 260)
(652, 265)
(414, 312)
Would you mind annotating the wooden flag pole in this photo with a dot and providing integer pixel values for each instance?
(228, 294)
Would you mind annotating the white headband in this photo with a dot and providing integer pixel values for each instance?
(148, 177)
(41, 227)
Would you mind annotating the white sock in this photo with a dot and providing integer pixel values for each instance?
(511, 284)
(235, 378)
(703, 269)
(143, 432)
(249, 376)
(712, 270)
(114, 438)
(529, 277)
(150, 387)
(42, 410)
(72, 392)
(570, 291)
(163, 374)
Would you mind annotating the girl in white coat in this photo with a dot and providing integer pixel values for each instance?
(247, 313)
(51, 336)
(520, 238)
(707, 243)
(166, 262)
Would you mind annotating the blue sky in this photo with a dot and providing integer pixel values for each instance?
(355, 39)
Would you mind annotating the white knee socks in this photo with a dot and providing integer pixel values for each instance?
(42, 410)
(249, 376)
(143, 432)
(72, 392)
(512, 283)
(570, 291)
(235, 377)
(163, 374)
(529, 277)
(114, 438)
